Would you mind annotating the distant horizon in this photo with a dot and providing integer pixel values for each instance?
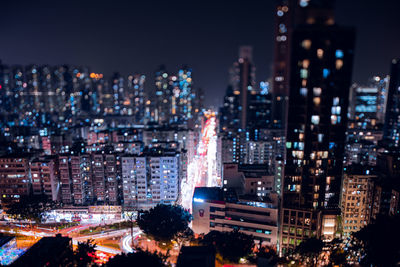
(129, 37)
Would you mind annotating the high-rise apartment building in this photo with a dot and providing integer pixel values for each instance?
(150, 179)
(45, 177)
(242, 80)
(15, 177)
(392, 117)
(320, 75)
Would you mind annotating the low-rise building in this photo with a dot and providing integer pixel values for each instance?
(357, 200)
(216, 209)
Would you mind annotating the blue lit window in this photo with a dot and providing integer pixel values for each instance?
(339, 53)
(303, 91)
(315, 119)
(336, 101)
(325, 73)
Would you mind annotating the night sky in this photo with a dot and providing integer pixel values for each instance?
(138, 36)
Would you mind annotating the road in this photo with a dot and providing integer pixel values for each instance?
(43, 232)
(202, 170)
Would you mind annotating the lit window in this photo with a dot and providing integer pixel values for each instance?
(334, 119)
(336, 101)
(320, 53)
(325, 73)
(304, 3)
(339, 53)
(336, 110)
(303, 91)
(306, 44)
(317, 91)
(315, 119)
(317, 101)
(339, 64)
(306, 63)
(320, 137)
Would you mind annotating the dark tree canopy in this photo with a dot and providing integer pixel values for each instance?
(230, 245)
(85, 253)
(30, 208)
(139, 258)
(379, 242)
(310, 249)
(164, 222)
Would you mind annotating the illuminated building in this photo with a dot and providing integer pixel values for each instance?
(183, 96)
(357, 199)
(259, 152)
(163, 95)
(150, 179)
(248, 179)
(215, 209)
(134, 100)
(320, 76)
(392, 121)
(65, 179)
(234, 113)
(367, 105)
(15, 177)
(289, 14)
(45, 180)
(259, 111)
(81, 174)
(362, 152)
(9, 251)
(283, 27)
(229, 114)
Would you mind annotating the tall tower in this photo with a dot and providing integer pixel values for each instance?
(289, 14)
(243, 81)
(163, 95)
(320, 75)
(391, 132)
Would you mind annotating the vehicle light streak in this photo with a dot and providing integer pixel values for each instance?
(202, 169)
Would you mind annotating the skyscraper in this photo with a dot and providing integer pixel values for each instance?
(244, 81)
(289, 14)
(320, 75)
(392, 118)
(163, 95)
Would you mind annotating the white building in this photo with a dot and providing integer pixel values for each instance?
(149, 180)
(214, 210)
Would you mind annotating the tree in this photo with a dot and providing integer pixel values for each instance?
(309, 250)
(337, 253)
(230, 245)
(378, 243)
(164, 222)
(85, 253)
(31, 208)
(185, 236)
(268, 254)
(83, 256)
(139, 258)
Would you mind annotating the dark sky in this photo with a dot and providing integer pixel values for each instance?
(138, 36)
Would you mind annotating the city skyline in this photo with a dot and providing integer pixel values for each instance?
(117, 145)
(160, 37)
